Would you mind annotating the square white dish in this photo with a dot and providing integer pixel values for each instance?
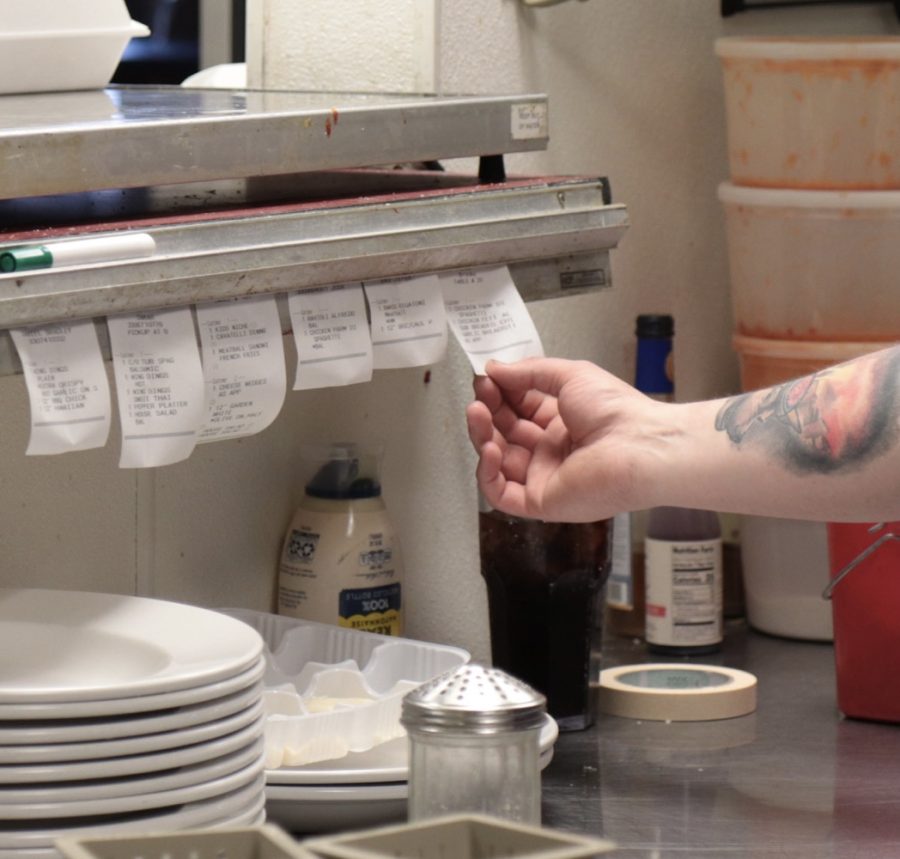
(47, 46)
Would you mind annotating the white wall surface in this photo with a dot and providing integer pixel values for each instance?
(635, 95)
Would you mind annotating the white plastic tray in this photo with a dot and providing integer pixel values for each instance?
(330, 691)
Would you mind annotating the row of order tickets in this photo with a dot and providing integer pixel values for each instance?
(173, 393)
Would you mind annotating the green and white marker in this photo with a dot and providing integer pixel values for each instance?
(77, 252)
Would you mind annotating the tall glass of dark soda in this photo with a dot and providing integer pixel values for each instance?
(545, 590)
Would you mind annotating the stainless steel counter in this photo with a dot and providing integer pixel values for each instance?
(793, 779)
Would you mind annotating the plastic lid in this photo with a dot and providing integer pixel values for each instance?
(810, 48)
(656, 326)
(677, 692)
(339, 477)
(829, 202)
(473, 699)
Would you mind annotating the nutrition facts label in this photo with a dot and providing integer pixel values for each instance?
(684, 592)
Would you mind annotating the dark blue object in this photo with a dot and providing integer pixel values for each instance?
(653, 369)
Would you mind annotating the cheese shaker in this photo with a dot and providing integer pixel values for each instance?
(474, 745)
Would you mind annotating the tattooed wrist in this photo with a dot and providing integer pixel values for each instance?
(836, 419)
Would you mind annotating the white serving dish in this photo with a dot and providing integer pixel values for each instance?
(364, 789)
(361, 677)
(387, 763)
(47, 46)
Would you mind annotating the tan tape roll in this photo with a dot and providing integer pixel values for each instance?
(676, 692)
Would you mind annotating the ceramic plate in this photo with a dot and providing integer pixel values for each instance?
(132, 764)
(65, 646)
(127, 804)
(16, 713)
(133, 725)
(235, 808)
(113, 788)
(387, 762)
(255, 816)
(327, 809)
(103, 749)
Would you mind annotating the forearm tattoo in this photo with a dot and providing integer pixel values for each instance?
(836, 419)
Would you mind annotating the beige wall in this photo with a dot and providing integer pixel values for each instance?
(635, 95)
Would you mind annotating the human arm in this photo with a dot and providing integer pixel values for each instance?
(566, 441)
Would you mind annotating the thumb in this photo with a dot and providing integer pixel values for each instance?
(547, 375)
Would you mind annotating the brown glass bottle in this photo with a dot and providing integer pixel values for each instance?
(654, 376)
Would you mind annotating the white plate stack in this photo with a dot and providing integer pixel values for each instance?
(341, 760)
(360, 789)
(122, 713)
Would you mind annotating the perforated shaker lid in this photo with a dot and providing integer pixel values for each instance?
(473, 699)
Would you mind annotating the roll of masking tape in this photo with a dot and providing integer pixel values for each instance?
(676, 692)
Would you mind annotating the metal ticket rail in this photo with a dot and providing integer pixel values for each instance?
(252, 234)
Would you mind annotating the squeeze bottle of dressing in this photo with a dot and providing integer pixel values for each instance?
(340, 562)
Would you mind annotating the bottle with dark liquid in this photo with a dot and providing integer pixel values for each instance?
(683, 581)
(654, 376)
(544, 584)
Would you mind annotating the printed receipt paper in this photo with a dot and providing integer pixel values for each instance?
(67, 387)
(243, 367)
(331, 333)
(409, 325)
(159, 382)
(489, 318)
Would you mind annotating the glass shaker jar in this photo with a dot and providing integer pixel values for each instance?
(474, 745)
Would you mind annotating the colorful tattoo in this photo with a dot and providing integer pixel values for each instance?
(835, 419)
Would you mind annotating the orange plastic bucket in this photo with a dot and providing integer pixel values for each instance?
(866, 607)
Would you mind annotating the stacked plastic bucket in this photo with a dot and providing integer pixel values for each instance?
(813, 228)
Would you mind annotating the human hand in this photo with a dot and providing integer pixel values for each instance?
(557, 440)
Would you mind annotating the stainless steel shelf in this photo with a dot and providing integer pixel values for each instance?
(126, 137)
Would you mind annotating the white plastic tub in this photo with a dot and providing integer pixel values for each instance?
(48, 45)
(815, 113)
(786, 568)
(814, 265)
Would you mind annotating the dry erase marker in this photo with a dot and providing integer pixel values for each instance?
(77, 252)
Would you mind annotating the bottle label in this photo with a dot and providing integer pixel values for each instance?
(371, 609)
(620, 584)
(342, 567)
(684, 592)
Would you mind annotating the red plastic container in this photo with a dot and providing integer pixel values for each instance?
(866, 606)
